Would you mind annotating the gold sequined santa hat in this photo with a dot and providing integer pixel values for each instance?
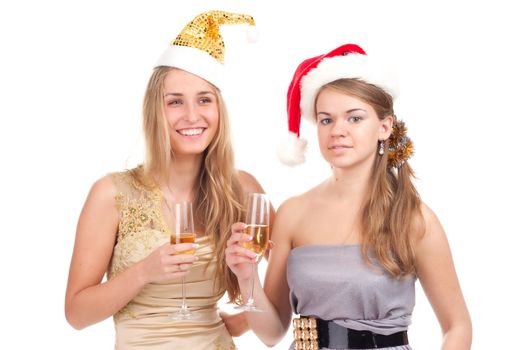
(347, 61)
(199, 48)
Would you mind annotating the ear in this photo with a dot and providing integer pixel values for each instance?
(385, 127)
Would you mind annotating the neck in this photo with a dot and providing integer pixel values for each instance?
(183, 175)
(350, 184)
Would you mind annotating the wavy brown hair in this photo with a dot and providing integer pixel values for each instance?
(218, 188)
(391, 212)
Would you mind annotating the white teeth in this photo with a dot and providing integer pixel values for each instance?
(191, 132)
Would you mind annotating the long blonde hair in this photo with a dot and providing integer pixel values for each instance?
(392, 212)
(218, 202)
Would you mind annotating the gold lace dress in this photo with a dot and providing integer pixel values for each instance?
(144, 323)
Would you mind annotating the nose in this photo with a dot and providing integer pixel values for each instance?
(339, 129)
(191, 114)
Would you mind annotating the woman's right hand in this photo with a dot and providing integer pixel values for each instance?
(238, 258)
(167, 263)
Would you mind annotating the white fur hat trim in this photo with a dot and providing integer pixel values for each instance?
(356, 66)
(291, 150)
(194, 61)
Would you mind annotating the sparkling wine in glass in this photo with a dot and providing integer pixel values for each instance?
(258, 228)
(183, 232)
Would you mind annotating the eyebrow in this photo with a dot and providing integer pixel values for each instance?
(348, 111)
(200, 93)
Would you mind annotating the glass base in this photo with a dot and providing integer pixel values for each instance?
(248, 307)
(184, 314)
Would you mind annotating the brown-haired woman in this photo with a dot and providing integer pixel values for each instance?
(124, 228)
(348, 251)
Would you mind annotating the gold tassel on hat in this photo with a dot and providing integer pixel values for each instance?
(203, 32)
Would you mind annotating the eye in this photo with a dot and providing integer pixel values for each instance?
(175, 102)
(325, 121)
(355, 119)
(205, 100)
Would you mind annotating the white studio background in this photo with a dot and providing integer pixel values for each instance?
(72, 77)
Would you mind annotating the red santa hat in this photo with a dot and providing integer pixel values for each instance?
(347, 61)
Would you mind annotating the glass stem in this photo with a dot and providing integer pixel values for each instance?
(184, 307)
(250, 299)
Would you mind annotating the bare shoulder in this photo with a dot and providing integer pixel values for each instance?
(430, 219)
(297, 206)
(103, 190)
(290, 206)
(432, 231)
(97, 225)
(249, 183)
(290, 217)
(100, 206)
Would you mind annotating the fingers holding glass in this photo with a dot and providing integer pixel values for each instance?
(258, 230)
(240, 259)
(183, 238)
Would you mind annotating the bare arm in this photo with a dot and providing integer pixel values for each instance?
(235, 323)
(435, 269)
(87, 299)
(270, 326)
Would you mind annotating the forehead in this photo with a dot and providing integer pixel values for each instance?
(331, 99)
(181, 81)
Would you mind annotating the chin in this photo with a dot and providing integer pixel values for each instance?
(191, 147)
(196, 152)
(343, 162)
(187, 151)
(339, 165)
(339, 162)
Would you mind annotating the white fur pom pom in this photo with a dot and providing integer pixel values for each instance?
(291, 151)
(252, 34)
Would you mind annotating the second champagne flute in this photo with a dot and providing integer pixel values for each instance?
(258, 228)
(183, 232)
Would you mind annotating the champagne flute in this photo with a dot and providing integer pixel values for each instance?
(183, 232)
(258, 228)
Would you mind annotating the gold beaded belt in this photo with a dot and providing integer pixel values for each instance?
(312, 333)
(305, 333)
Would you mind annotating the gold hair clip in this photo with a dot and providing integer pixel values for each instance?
(400, 147)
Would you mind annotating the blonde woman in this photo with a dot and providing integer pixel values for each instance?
(348, 251)
(124, 227)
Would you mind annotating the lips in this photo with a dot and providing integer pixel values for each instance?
(191, 131)
(335, 147)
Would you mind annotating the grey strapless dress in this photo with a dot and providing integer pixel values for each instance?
(332, 282)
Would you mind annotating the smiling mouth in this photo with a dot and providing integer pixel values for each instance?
(191, 131)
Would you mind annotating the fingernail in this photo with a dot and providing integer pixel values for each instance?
(195, 245)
